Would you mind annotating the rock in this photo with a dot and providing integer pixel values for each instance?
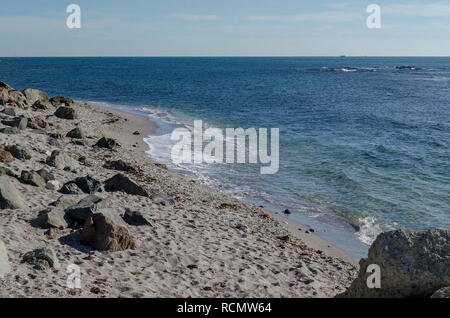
(41, 105)
(5, 267)
(120, 165)
(135, 218)
(442, 293)
(75, 133)
(54, 218)
(162, 199)
(64, 112)
(32, 178)
(18, 152)
(61, 160)
(10, 131)
(33, 95)
(6, 172)
(53, 233)
(10, 197)
(18, 122)
(37, 122)
(412, 265)
(122, 183)
(53, 185)
(63, 202)
(102, 234)
(42, 259)
(70, 188)
(44, 173)
(53, 142)
(136, 133)
(85, 208)
(10, 111)
(61, 101)
(15, 98)
(108, 143)
(6, 156)
(3, 85)
(87, 184)
(287, 211)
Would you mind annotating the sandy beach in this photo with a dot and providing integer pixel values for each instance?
(207, 244)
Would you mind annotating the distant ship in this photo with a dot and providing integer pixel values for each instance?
(342, 56)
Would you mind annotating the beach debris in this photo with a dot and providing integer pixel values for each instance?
(411, 265)
(42, 259)
(86, 184)
(103, 234)
(76, 133)
(5, 266)
(65, 112)
(61, 101)
(119, 165)
(17, 122)
(108, 143)
(32, 178)
(135, 218)
(162, 199)
(10, 197)
(122, 183)
(6, 156)
(86, 207)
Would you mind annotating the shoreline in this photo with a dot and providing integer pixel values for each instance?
(146, 127)
(203, 244)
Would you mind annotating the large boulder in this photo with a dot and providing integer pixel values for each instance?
(10, 197)
(86, 207)
(18, 152)
(61, 160)
(103, 234)
(64, 112)
(412, 264)
(5, 267)
(42, 259)
(33, 95)
(122, 183)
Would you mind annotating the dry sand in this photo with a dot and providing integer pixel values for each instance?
(207, 245)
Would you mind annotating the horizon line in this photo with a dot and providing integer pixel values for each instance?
(220, 56)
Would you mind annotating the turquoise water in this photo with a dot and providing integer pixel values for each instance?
(364, 141)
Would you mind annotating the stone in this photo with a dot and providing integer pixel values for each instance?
(44, 173)
(16, 98)
(75, 133)
(53, 185)
(442, 293)
(6, 156)
(10, 131)
(3, 85)
(63, 202)
(37, 122)
(10, 197)
(135, 218)
(53, 142)
(10, 111)
(287, 211)
(42, 259)
(7, 172)
(61, 160)
(122, 183)
(103, 234)
(162, 199)
(5, 266)
(33, 95)
(41, 105)
(85, 208)
(68, 113)
(108, 143)
(120, 165)
(61, 101)
(412, 265)
(32, 178)
(70, 188)
(18, 152)
(53, 218)
(53, 233)
(18, 122)
(87, 184)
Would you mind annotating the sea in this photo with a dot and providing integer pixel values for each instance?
(364, 141)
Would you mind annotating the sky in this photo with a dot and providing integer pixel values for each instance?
(225, 28)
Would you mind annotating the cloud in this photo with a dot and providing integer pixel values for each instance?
(322, 17)
(196, 17)
(429, 10)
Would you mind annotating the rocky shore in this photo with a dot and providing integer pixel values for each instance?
(77, 190)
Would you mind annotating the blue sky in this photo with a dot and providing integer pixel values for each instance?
(224, 28)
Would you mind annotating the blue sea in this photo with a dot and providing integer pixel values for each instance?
(364, 142)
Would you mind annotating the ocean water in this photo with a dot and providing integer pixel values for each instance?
(365, 142)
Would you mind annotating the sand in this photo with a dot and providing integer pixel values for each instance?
(207, 245)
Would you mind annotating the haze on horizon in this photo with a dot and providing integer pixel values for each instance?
(225, 28)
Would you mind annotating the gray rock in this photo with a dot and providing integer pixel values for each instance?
(63, 202)
(61, 101)
(85, 208)
(413, 264)
(10, 111)
(3, 85)
(120, 165)
(121, 183)
(76, 133)
(53, 142)
(41, 105)
(442, 293)
(135, 218)
(18, 122)
(5, 267)
(46, 175)
(162, 199)
(87, 184)
(7, 172)
(70, 188)
(33, 95)
(61, 160)
(108, 143)
(42, 259)
(10, 131)
(33, 178)
(10, 197)
(54, 218)
(18, 152)
(64, 112)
